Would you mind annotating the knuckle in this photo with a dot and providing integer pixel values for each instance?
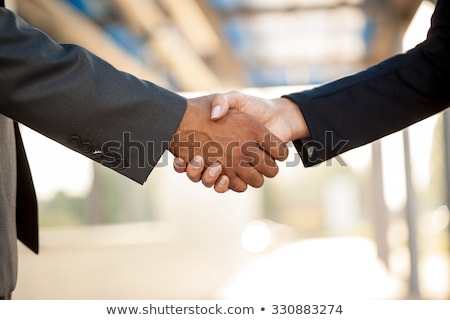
(234, 93)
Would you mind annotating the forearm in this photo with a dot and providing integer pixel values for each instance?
(383, 99)
(79, 100)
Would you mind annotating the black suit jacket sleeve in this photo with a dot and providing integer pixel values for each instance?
(75, 98)
(385, 98)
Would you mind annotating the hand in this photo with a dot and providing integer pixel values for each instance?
(243, 147)
(281, 116)
(211, 176)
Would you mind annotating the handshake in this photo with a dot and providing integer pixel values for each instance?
(233, 140)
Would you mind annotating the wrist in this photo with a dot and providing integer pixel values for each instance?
(293, 118)
(183, 127)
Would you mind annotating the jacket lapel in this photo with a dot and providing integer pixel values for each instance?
(26, 203)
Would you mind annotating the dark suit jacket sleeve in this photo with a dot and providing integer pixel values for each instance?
(387, 97)
(73, 97)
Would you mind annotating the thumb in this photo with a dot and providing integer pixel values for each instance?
(219, 106)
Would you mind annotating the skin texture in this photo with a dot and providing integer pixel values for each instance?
(281, 116)
(237, 150)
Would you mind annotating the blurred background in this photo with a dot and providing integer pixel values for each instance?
(373, 223)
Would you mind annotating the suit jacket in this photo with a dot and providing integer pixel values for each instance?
(73, 97)
(385, 98)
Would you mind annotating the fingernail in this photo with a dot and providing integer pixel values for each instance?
(215, 112)
(196, 162)
(214, 169)
(179, 163)
(222, 181)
